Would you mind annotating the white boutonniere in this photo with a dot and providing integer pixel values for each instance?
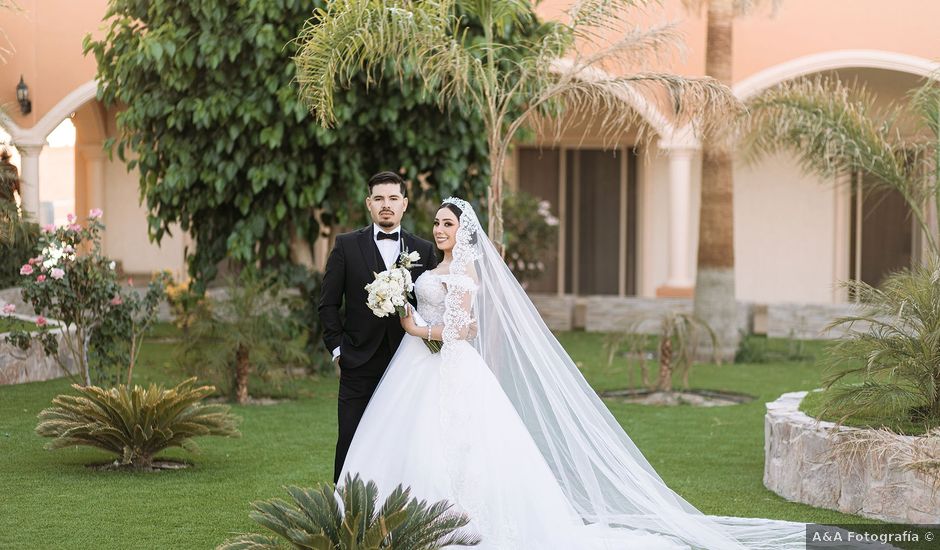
(408, 259)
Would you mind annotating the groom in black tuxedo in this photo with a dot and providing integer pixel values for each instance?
(363, 344)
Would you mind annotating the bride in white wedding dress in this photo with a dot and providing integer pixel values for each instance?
(502, 424)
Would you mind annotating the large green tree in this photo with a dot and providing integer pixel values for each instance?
(210, 116)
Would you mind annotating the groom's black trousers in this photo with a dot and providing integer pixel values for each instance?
(356, 387)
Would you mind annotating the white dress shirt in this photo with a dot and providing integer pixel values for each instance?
(388, 248)
(390, 251)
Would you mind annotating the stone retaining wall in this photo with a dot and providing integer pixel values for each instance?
(32, 365)
(622, 313)
(798, 466)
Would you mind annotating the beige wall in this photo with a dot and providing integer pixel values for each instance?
(799, 28)
(57, 182)
(126, 239)
(46, 36)
(785, 233)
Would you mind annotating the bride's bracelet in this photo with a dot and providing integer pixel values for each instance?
(429, 332)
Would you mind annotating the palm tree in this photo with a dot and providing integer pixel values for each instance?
(569, 66)
(714, 300)
(835, 128)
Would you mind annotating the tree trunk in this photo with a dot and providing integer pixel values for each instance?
(665, 362)
(715, 301)
(495, 200)
(130, 367)
(241, 374)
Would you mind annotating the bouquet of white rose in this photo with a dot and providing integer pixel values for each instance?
(391, 289)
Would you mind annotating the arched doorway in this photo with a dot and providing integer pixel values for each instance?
(798, 236)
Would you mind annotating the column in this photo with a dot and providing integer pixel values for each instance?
(29, 176)
(94, 184)
(679, 282)
(94, 174)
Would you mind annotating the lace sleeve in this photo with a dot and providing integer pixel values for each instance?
(459, 321)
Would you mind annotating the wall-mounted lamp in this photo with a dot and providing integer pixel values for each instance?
(22, 96)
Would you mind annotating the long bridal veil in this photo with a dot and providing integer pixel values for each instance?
(601, 471)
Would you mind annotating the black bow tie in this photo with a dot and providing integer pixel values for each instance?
(382, 235)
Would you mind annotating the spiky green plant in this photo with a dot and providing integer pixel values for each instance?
(834, 128)
(315, 520)
(246, 331)
(591, 62)
(680, 338)
(135, 423)
(897, 355)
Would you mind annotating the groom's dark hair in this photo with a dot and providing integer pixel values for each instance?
(387, 177)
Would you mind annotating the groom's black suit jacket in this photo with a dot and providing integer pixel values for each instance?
(351, 266)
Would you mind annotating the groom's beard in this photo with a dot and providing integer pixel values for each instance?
(387, 224)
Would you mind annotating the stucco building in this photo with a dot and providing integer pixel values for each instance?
(629, 217)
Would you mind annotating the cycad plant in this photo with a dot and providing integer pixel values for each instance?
(897, 356)
(837, 128)
(134, 423)
(314, 520)
(590, 63)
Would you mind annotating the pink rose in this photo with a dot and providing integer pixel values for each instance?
(95, 213)
(9, 309)
(75, 227)
(26, 269)
(40, 279)
(70, 218)
(41, 321)
(116, 301)
(32, 261)
(57, 273)
(48, 228)
(130, 281)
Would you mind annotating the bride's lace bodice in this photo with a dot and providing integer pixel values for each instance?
(430, 292)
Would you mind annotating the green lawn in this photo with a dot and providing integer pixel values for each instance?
(713, 457)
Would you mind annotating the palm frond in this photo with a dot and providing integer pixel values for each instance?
(835, 128)
(636, 47)
(609, 99)
(315, 520)
(502, 13)
(592, 19)
(897, 353)
(353, 36)
(831, 126)
(251, 541)
(918, 454)
(869, 397)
